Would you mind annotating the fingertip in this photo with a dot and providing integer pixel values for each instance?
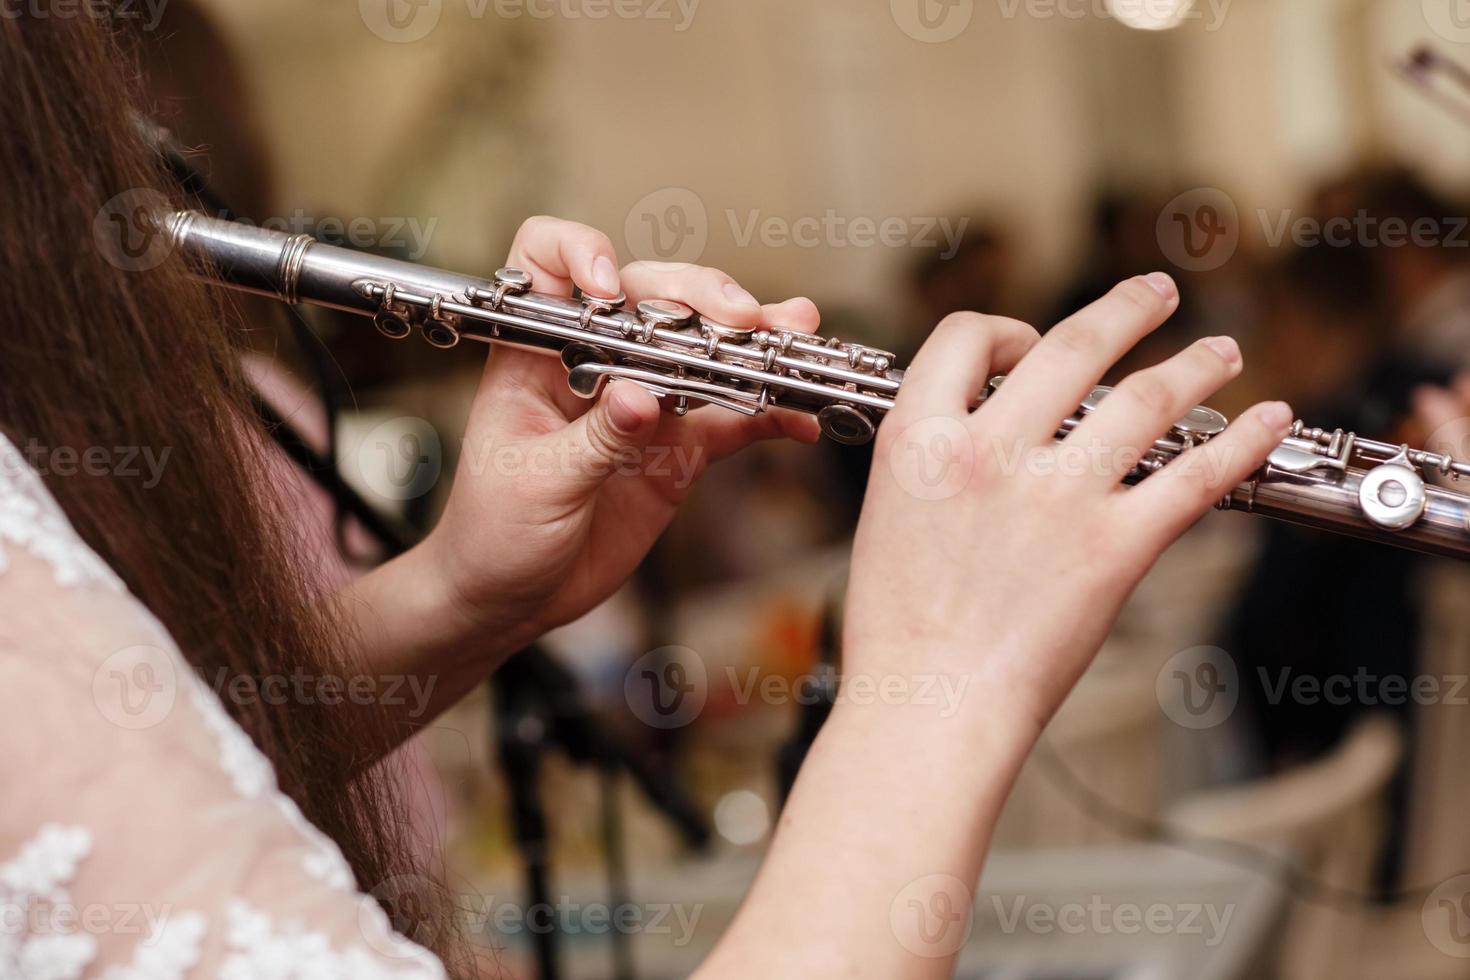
(797, 312)
(801, 428)
(1277, 415)
(604, 277)
(631, 407)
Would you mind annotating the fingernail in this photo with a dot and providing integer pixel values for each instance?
(1276, 415)
(1163, 284)
(1226, 347)
(605, 274)
(739, 296)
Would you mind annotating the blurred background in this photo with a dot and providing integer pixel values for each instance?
(1262, 776)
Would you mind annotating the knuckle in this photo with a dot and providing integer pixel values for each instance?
(1079, 339)
(1149, 392)
(1139, 296)
(537, 225)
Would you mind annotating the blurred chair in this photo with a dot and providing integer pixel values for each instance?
(1109, 729)
(1327, 817)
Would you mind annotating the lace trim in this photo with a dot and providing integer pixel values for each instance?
(259, 949)
(254, 778)
(31, 519)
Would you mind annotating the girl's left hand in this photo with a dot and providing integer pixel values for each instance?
(558, 499)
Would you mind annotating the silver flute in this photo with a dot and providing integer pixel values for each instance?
(1321, 478)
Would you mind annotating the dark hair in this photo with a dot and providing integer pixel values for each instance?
(101, 352)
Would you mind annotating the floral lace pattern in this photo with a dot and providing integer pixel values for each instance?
(39, 936)
(34, 938)
(30, 519)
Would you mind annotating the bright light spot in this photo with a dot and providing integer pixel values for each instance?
(741, 817)
(1150, 15)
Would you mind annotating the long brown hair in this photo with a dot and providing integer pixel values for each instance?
(103, 353)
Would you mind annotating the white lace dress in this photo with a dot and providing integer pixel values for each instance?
(142, 835)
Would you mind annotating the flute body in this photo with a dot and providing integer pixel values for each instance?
(1332, 480)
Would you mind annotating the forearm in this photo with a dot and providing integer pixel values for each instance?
(889, 820)
(421, 649)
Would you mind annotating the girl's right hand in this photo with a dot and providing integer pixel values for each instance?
(990, 553)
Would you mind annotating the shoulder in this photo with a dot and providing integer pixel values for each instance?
(59, 600)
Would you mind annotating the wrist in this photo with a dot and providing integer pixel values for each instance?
(951, 718)
(451, 617)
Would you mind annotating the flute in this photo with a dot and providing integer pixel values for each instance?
(1320, 478)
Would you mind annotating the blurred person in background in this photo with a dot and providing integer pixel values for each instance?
(265, 826)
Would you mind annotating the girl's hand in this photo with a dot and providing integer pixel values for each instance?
(989, 551)
(1443, 415)
(557, 499)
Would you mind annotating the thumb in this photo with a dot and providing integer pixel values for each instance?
(624, 419)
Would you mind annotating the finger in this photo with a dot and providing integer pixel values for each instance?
(1436, 407)
(1179, 494)
(710, 291)
(1049, 384)
(949, 371)
(724, 433)
(799, 315)
(624, 418)
(1147, 404)
(561, 254)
